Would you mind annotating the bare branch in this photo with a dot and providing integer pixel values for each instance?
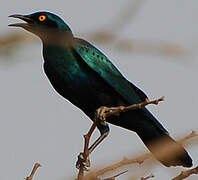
(85, 153)
(148, 177)
(140, 159)
(113, 178)
(187, 173)
(36, 166)
(112, 111)
(125, 161)
(101, 114)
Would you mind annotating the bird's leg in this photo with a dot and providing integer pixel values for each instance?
(102, 125)
(103, 112)
(100, 122)
(98, 141)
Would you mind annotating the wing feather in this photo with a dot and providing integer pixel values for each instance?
(98, 62)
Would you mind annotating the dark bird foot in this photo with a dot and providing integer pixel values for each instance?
(101, 114)
(82, 162)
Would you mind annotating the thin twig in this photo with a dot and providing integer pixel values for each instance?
(187, 173)
(36, 166)
(123, 162)
(87, 139)
(85, 153)
(148, 177)
(117, 110)
(113, 178)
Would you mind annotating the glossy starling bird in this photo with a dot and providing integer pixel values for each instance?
(84, 75)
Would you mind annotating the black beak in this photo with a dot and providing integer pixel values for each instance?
(26, 18)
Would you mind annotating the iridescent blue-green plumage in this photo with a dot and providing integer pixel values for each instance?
(84, 75)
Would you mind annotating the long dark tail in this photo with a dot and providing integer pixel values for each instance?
(167, 150)
(155, 137)
(163, 147)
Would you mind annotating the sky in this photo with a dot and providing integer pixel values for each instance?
(38, 125)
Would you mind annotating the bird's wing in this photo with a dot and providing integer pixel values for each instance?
(139, 92)
(98, 62)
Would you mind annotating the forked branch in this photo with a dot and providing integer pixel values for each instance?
(101, 114)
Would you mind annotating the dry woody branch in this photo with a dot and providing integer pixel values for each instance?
(36, 166)
(148, 177)
(187, 173)
(139, 160)
(102, 113)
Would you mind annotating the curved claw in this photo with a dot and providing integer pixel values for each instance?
(81, 162)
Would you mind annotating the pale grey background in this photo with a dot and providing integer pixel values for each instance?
(39, 125)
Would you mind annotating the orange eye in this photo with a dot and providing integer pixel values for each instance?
(42, 18)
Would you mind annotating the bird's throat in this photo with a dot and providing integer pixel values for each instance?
(53, 38)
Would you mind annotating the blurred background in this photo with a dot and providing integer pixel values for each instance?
(154, 43)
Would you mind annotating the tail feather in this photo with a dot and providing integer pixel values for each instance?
(167, 150)
(154, 136)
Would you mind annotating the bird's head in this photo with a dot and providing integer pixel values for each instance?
(42, 24)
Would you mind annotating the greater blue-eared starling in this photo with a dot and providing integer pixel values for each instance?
(86, 77)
